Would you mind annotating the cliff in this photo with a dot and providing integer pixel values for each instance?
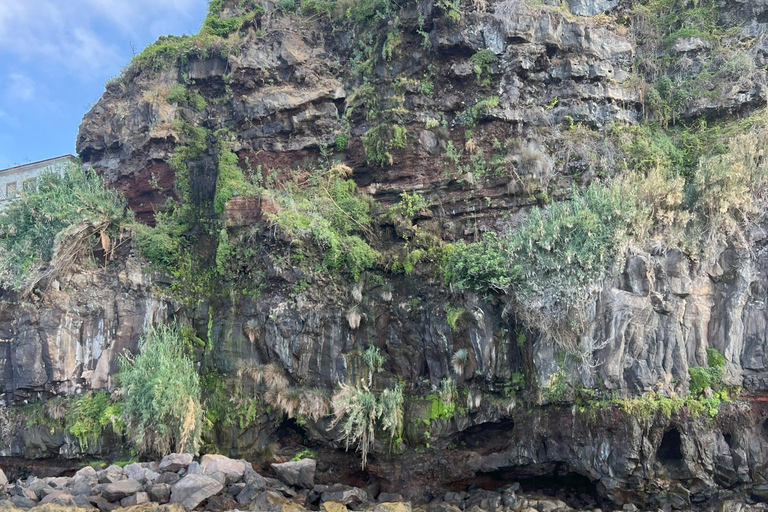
(455, 121)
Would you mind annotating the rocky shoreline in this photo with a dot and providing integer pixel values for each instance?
(180, 483)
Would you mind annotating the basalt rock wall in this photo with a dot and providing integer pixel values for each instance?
(284, 96)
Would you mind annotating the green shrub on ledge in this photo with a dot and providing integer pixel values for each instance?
(162, 394)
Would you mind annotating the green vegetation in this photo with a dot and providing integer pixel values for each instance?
(87, 415)
(704, 378)
(327, 210)
(379, 141)
(360, 413)
(54, 224)
(409, 206)
(230, 181)
(482, 62)
(179, 94)
(162, 394)
(216, 25)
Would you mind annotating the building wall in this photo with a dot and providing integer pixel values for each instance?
(14, 178)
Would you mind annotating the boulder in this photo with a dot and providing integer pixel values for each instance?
(251, 477)
(393, 507)
(22, 502)
(26, 492)
(88, 474)
(192, 490)
(118, 490)
(274, 501)
(232, 469)
(390, 497)
(249, 493)
(297, 473)
(136, 472)
(345, 494)
(111, 475)
(135, 499)
(221, 502)
(333, 506)
(159, 493)
(168, 478)
(80, 487)
(3, 478)
(194, 469)
(56, 496)
(102, 504)
(175, 461)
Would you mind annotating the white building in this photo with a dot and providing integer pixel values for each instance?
(14, 179)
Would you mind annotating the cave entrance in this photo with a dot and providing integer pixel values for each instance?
(291, 436)
(670, 449)
(576, 490)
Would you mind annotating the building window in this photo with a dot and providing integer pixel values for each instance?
(11, 191)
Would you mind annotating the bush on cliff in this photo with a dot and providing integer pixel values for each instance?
(162, 394)
(327, 209)
(58, 220)
(554, 259)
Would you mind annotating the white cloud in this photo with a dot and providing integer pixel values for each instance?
(20, 87)
(73, 34)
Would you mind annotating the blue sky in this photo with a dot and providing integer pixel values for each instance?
(56, 56)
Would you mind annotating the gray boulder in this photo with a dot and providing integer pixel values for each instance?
(110, 475)
(136, 472)
(135, 499)
(88, 474)
(3, 478)
(232, 469)
(175, 462)
(118, 490)
(80, 487)
(297, 473)
(168, 478)
(22, 502)
(192, 490)
(345, 494)
(159, 493)
(251, 477)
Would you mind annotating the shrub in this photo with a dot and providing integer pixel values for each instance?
(482, 62)
(482, 266)
(55, 220)
(216, 25)
(408, 206)
(380, 140)
(360, 412)
(87, 415)
(331, 213)
(162, 394)
(161, 244)
(230, 180)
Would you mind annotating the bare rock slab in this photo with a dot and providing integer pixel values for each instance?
(192, 490)
(116, 491)
(297, 473)
(176, 461)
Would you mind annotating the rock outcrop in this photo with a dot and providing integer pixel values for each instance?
(506, 105)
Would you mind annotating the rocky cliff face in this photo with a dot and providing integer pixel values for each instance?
(538, 89)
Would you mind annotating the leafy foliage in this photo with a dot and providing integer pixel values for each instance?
(88, 414)
(360, 412)
(162, 394)
(45, 214)
(328, 210)
(380, 140)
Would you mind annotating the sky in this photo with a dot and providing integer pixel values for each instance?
(56, 56)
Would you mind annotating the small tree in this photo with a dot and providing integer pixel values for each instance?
(162, 394)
